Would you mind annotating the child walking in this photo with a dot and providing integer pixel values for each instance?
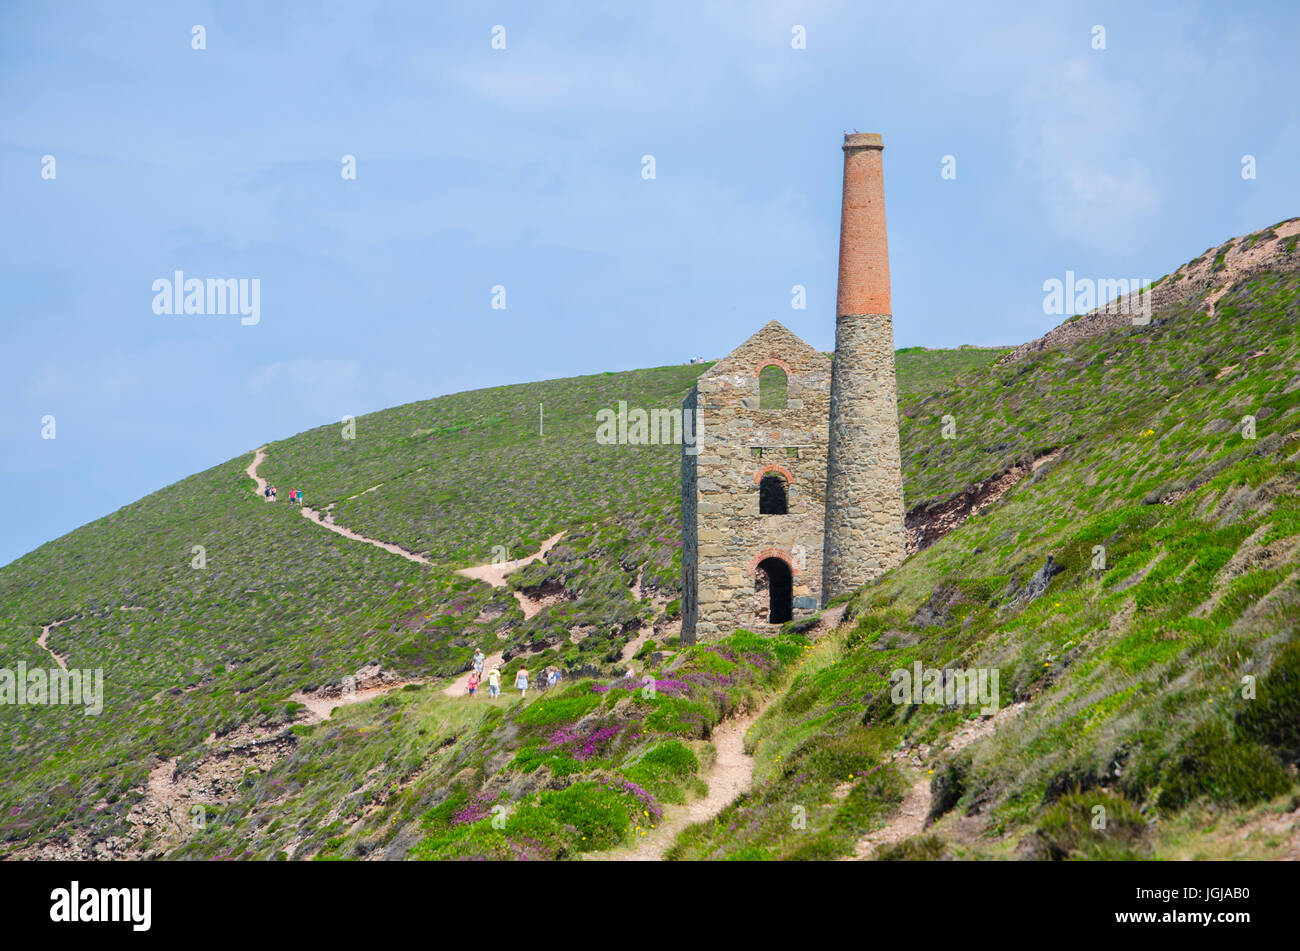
(472, 686)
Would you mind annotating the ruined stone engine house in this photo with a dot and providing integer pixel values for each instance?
(792, 492)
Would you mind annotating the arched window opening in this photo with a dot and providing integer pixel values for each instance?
(772, 496)
(772, 387)
(773, 574)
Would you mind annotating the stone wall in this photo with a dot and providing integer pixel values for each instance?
(724, 535)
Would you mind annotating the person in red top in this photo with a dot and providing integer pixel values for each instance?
(293, 496)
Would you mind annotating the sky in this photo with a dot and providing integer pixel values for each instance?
(525, 168)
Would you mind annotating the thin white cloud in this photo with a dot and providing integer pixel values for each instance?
(1079, 139)
(537, 76)
(110, 376)
(307, 373)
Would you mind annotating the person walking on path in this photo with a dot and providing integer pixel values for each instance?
(479, 660)
(494, 683)
(554, 677)
(472, 685)
(521, 682)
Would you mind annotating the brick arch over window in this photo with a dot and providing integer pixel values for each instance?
(774, 490)
(758, 476)
(767, 553)
(773, 361)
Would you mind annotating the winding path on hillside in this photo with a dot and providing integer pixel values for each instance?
(41, 641)
(460, 686)
(326, 521)
(732, 770)
(493, 573)
(912, 813)
(731, 773)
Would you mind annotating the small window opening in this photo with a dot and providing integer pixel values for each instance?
(772, 496)
(772, 387)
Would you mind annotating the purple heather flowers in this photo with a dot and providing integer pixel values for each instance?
(582, 745)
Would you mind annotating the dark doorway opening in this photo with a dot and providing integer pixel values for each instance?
(780, 589)
(772, 498)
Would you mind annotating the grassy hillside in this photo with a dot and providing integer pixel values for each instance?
(1129, 669)
(284, 605)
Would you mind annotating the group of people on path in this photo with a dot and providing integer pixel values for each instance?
(550, 677)
(295, 495)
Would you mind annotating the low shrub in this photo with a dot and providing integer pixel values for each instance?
(1213, 765)
(1091, 825)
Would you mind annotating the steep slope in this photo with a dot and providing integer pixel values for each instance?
(1137, 595)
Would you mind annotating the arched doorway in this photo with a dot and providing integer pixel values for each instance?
(774, 574)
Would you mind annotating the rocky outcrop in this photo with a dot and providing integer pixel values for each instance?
(1208, 277)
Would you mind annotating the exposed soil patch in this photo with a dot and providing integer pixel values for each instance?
(494, 573)
(1284, 830)
(532, 601)
(534, 606)
(927, 522)
(368, 682)
(176, 804)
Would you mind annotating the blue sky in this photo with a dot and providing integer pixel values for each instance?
(522, 167)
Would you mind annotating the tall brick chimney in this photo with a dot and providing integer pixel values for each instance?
(864, 250)
(864, 484)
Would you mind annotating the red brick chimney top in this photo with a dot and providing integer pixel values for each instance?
(864, 250)
(863, 140)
